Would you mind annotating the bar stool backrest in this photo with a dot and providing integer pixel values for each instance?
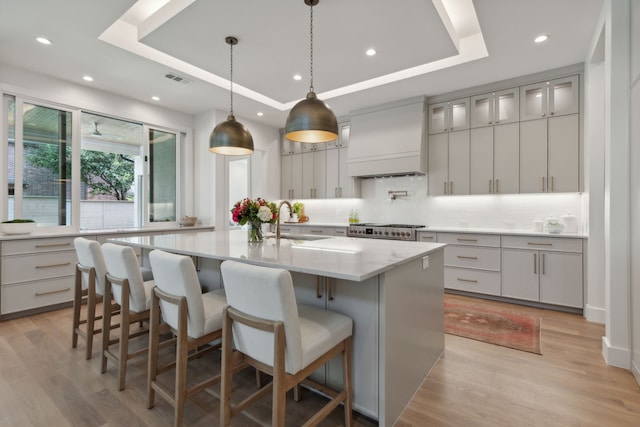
(89, 253)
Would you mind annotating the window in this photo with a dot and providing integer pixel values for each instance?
(66, 167)
(39, 162)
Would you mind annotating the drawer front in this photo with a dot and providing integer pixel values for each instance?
(318, 231)
(340, 231)
(543, 243)
(482, 282)
(472, 257)
(42, 293)
(427, 236)
(25, 268)
(469, 239)
(30, 246)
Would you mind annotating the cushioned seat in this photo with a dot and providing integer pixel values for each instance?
(194, 318)
(128, 288)
(270, 332)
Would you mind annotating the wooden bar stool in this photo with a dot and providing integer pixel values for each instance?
(126, 285)
(263, 326)
(193, 317)
(88, 289)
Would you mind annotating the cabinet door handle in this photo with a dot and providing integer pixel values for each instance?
(450, 187)
(467, 257)
(467, 280)
(52, 245)
(543, 184)
(57, 291)
(318, 294)
(535, 263)
(552, 181)
(62, 264)
(445, 187)
(489, 186)
(543, 266)
(460, 239)
(330, 291)
(544, 114)
(340, 192)
(539, 244)
(497, 183)
(316, 231)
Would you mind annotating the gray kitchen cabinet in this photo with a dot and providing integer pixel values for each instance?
(338, 182)
(449, 163)
(313, 173)
(549, 98)
(449, 116)
(540, 269)
(549, 155)
(499, 107)
(291, 176)
(353, 300)
(494, 159)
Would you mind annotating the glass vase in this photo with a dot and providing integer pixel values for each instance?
(255, 231)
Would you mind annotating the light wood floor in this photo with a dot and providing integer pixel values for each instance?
(43, 382)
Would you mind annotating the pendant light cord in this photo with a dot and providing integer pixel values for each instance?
(231, 78)
(311, 50)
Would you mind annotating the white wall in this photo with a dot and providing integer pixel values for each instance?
(635, 187)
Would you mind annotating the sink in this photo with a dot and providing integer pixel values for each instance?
(287, 236)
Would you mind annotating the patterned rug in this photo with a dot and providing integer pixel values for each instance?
(500, 327)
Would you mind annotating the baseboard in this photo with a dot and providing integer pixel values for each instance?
(615, 356)
(594, 314)
(635, 370)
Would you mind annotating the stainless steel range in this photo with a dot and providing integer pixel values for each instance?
(385, 231)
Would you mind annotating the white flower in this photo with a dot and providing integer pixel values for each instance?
(264, 214)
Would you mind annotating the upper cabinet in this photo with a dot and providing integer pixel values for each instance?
(338, 183)
(494, 108)
(290, 147)
(549, 98)
(449, 116)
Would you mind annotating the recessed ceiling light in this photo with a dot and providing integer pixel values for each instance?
(155, 98)
(542, 38)
(260, 113)
(297, 77)
(371, 52)
(43, 40)
(87, 78)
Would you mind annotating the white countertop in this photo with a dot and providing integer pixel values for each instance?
(39, 234)
(337, 257)
(509, 231)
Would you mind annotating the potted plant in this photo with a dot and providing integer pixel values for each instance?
(18, 226)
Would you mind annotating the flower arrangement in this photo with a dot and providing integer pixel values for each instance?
(255, 213)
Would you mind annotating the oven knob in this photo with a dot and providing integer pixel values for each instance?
(386, 233)
(393, 233)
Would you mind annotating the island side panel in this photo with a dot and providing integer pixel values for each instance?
(411, 330)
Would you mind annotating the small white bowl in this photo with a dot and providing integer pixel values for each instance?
(188, 221)
(18, 227)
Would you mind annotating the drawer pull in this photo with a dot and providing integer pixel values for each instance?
(539, 244)
(426, 237)
(467, 280)
(52, 245)
(57, 291)
(62, 264)
(467, 257)
(467, 240)
(317, 231)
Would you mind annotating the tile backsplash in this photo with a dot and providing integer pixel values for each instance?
(513, 211)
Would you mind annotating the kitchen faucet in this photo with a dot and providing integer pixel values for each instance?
(284, 202)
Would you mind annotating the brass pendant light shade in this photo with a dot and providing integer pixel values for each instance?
(231, 137)
(311, 120)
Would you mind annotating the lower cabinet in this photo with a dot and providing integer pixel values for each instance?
(354, 300)
(36, 273)
(543, 269)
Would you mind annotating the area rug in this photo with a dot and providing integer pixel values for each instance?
(500, 327)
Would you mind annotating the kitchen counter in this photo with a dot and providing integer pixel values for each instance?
(50, 232)
(335, 257)
(510, 231)
(393, 291)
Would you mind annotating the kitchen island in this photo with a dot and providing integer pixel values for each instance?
(392, 290)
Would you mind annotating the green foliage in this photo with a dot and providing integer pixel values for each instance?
(104, 173)
(17, 221)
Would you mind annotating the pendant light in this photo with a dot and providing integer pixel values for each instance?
(311, 120)
(231, 137)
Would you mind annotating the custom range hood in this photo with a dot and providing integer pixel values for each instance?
(388, 140)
